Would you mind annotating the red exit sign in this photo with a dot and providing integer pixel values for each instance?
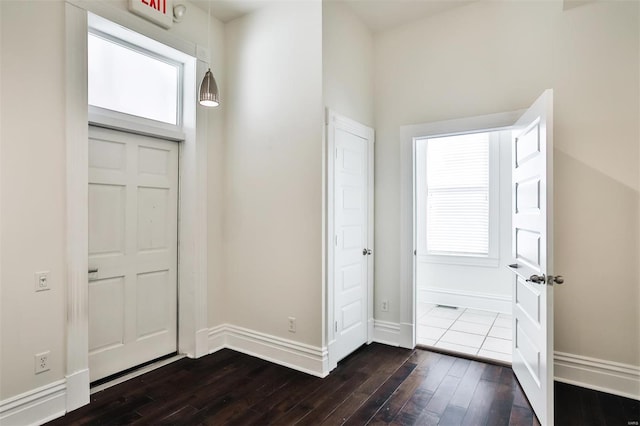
(157, 11)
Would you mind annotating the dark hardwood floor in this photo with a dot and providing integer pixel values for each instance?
(377, 384)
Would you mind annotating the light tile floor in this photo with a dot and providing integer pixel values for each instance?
(469, 331)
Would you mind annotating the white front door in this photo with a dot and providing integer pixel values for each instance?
(133, 207)
(532, 233)
(352, 215)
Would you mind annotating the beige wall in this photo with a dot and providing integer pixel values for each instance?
(33, 188)
(33, 167)
(215, 175)
(347, 63)
(499, 56)
(273, 179)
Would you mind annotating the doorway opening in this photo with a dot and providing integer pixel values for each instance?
(349, 238)
(463, 243)
(533, 278)
(192, 329)
(135, 91)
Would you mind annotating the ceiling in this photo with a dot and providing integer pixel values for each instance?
(377, 15)
(228, 10)
(380, 15)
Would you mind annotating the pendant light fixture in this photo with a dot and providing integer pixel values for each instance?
(209, 95)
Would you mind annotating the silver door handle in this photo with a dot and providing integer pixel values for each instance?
(538, 279)
(366, 251)
(93, 270)
(556, 279)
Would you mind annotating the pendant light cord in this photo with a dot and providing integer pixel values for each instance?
(209, 31)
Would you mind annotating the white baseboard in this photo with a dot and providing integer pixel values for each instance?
(217, 338)
(298, 356)
(77, 389)
(465, 299)
(407, 335)
(386, 332)
(202, 343)
(35, 407)
(598, 374)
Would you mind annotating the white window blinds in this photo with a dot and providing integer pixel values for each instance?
(458, 195)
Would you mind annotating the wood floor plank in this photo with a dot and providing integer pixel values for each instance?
(438, 365)
(520, 416)
(452, 416)
(333, 400)
(404, 392)
(315, 398)
(377, 400)
(377, 385)
(459, 367)
(440, 399)
(568, 397)
(379, 372)
(500, 410)
(463, 394)
(478, 410)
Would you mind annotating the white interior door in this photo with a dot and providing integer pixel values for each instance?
(133, 206)
(353, 248)
(532, 232)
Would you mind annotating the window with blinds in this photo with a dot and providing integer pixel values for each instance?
(457, 199)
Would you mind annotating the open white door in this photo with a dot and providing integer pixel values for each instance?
(532, 249)
(351, 235)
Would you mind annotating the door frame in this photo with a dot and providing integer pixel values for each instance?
(192, 204)
(334, 120)
(408, 243)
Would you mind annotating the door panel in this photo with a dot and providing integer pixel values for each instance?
(351, 228)
(532, 255)
(133, 203)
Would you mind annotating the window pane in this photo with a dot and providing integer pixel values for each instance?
(458, 195)
(128, 81)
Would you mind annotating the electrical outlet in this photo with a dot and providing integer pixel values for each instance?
(42, 362)
(41, 280)
(292, 324)
(385, 306)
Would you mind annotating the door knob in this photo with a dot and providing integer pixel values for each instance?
(538, 279)
(557, 279)
(366, 251)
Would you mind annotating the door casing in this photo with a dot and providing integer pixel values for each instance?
(408, 135)
(333, 120)
(192, 222)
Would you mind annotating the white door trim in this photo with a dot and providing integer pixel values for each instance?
(192, 221)
(408, 134)
(333, 119)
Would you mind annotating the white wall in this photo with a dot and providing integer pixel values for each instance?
(347, 63)
(33, 170)
(491, 281)
(273, 197)
(499, 56)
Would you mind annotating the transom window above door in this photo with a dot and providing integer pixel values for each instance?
(127, 79)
